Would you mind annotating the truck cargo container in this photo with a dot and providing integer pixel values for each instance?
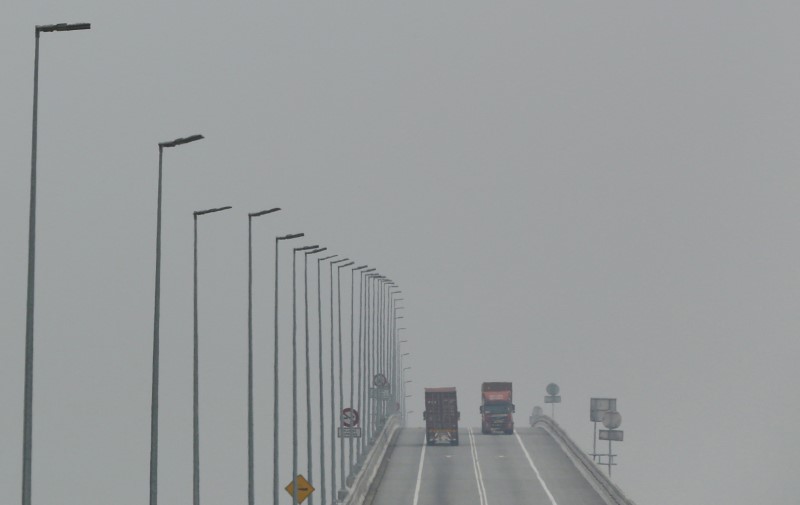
(441, 416)
(497, 408)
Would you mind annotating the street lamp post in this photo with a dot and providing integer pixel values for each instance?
(352, 356)
(370, 336)
(27, 432)
(196, 395)
(342, 488)
(294, 368)
(308, 372)
(157, 321)
(250, 448)
(361, 324)
(275, 448)
(334, 417)
(321, 380)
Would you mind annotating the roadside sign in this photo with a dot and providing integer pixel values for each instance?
(552, 389)
(345, 432)
(613, 435)
(350, 417)
(612, 419)
(552, 399)
(379, 380)
(304, 489)
(599, 406)
(380, 394)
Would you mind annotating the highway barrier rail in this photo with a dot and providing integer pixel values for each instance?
(610, 493)
(366, 480)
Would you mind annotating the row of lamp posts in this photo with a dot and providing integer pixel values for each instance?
(377, 345)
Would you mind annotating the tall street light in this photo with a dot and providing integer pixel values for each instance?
(352, 363)
(343, 488)
(308, 371)
(294, 367)
(196, 396)
(156, 323)
(334, 417)
(250, 448)
(27, 433)
(321, 380)
(275, 411)
(361, 328)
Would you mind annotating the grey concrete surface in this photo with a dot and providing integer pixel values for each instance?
(450, 475)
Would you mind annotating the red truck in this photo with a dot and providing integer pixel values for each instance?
(441, 416)
(497, 408)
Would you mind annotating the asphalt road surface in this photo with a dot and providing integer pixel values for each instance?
(525, 468)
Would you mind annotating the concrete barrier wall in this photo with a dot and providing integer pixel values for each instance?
(373, 464)
(588, 468)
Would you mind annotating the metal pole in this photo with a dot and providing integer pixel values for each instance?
(359, 387)
(196, 384)
(341, 387)
(309, 447)
(27, 437)
(321, 385)
(156, 344)
(195, 395)
(156, 324)
(309, 461)
(275, 437)
(334, 497)
(27, 409)
(352, 365)
(250, 455)
(294, 378)
(250, 436)
(275, 447)
(594, 442)
(294, 369)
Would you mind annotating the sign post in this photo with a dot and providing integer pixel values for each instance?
(552, 397)
(598, 407)
(611, 420)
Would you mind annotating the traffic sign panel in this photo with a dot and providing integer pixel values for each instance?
(350, 417)
(379, 380)
(613, 435)
(345, 432)
(552, 399)
(304, 488)
(379, 394)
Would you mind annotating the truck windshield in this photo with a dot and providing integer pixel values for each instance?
(496, 409)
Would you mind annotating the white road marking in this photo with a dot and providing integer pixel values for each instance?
(419, 472)
(535, 470)
(477, 467)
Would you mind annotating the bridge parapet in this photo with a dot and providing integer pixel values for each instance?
(373, 464)
(610, 493)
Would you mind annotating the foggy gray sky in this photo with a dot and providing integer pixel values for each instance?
(600, 194)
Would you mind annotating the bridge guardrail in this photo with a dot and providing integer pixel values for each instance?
(373, 463)
(610, 493)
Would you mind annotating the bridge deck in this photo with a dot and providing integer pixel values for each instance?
(483, 469)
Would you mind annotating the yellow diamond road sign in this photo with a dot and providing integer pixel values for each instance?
(304, 488)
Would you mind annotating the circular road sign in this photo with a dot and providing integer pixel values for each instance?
(612, 419)
(379, 380)
(350, 417)
(552, 389)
